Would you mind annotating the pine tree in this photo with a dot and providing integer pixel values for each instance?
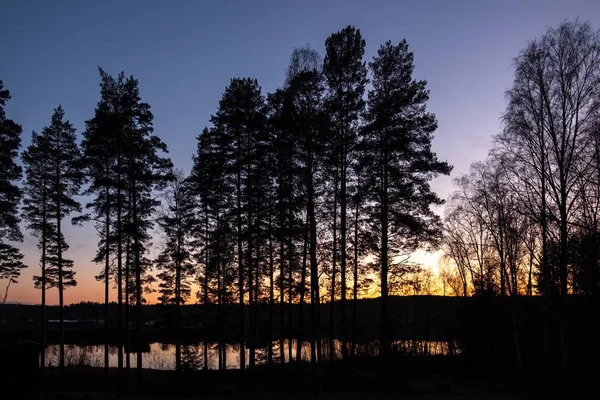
(310, 125)
(10, 195)
(346, 76)
(174, 261)
(283, 149)
(240, 120)
(102, 153)
(286, 227)
(53, 163)
(259, 186)
(199, 184)
(399, 164)
(144, 171)
(36, 209)
(214, 191)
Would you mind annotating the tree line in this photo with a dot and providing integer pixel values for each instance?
(525, 220)
(310, 193)
(295, 196)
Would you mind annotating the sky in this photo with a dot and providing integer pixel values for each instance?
(185, 52)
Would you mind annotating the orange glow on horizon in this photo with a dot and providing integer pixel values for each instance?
(88, 289)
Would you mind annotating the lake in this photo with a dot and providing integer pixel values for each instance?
(162, 355)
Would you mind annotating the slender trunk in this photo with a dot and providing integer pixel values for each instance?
(314, 273)
(107, 268)
(119, 271)
(251, 352)
(545, 267)
(564, 249)
(333, 266)
(138, 282)
(178, 299)
(502, 253)
(106, 279)
(384, 264)
(223, 344)
(60, 273)
(220, 312)
(343, 232)
(206, 260)
(127, 297)
(6, 291)
(271, 291)
(290, 288)
(254, 331)
(355, 286)
(562, 303)
(320, 348)
(219, 295)
(240, 265)
(43, 325)
(530, 273)
(300, 335)
(281, 301)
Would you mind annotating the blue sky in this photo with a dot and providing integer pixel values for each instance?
(185, 52)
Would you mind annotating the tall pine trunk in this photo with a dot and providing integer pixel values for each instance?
(255, 309)
(314, 273)
(242, 323)
(271, 284)
(220, 294)
(343, 232)
(43, 325)
(251, 352)
(223, 344)
(60, 273)
(106, 280)
(119, 270)
(178, 301)
(281, 302)
(206, 261)
(127, 297)
(333, 266)
(384, 335)
(290, 288)
(138, 283)
(220, 316)
(300, 335)
(355, 286)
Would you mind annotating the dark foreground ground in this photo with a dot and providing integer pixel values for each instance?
(353, 379)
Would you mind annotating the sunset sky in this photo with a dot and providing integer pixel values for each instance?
(185, 52)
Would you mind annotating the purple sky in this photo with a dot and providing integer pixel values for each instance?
(185, 52)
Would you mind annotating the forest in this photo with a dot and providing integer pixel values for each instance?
(304, 205)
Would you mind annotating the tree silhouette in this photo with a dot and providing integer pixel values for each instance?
(240, 120)
(550, 123)
(549, 134)
(53, 161)
(102, 154)
(10, 195)
(36, 211)
(346, 76)
(174, 261)
(310, 126)
(285, 195)
(399, 164)
(145, 171)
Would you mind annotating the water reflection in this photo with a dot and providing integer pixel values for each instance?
(162, 355)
